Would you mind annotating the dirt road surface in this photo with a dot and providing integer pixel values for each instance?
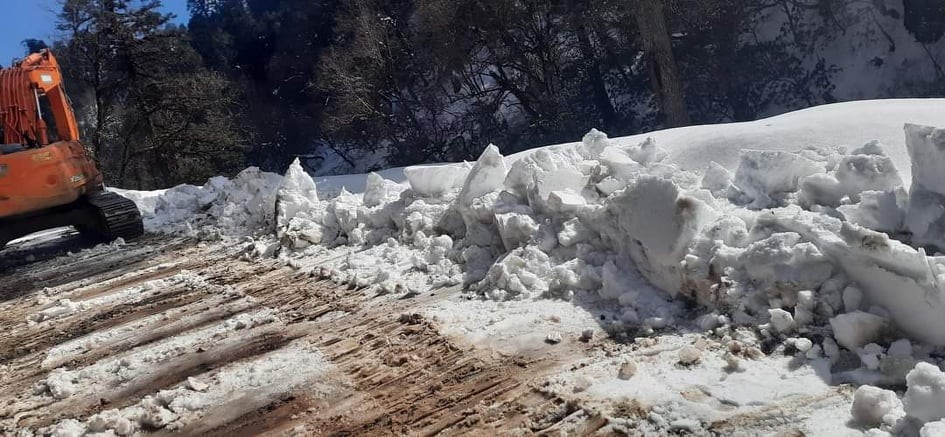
(123, 323)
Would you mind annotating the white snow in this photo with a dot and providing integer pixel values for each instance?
(925, 398)
(933, 429)
(926, 215)
(874, 406)
(855, 330)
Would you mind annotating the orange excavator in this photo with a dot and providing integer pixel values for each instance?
(47, 179)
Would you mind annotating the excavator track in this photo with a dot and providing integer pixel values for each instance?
(118, 217)
(101, 216)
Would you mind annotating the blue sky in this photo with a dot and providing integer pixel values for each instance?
(37, 19)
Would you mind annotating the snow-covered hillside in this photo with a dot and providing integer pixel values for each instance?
(807, 235)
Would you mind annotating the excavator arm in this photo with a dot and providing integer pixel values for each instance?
(46, 77)
(24, 86)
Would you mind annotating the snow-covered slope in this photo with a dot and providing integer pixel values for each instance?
(694, 147)
(776, 232)
(842, 124)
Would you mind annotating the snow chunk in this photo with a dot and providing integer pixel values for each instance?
(689, 356)
(784, 259)
(820, 189)
(933, 429)
(68, 428)
(566, 202)
(486, 176)
(437, 180)
(718, 180)
(594, 143)
(521, 273)
(900, 348)
(925, 397)
(296, 201)
(477, 199)
(878, 210)
(646, 152)
(766, 175)
(781, 320)
(653, 224)
(855, 330)
(868, 169)
(926, 214)
(874, 406)
(572, 232)
(515, 229)
(544, 171)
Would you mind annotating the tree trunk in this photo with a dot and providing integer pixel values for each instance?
(658, 49)
(598, 85)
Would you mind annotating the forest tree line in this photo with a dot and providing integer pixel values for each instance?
(353, 84)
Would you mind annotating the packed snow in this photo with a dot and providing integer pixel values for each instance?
(817, 231)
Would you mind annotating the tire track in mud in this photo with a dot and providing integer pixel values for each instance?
(401, 375)
(407, 378)
(99, 264)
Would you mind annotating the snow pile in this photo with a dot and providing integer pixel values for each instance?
(789, 240)
(239, 206)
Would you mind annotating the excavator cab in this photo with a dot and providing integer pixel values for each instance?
(47, 178)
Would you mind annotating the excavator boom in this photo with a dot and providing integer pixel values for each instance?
(47, 178)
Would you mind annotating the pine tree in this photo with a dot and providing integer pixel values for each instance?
(151, 115)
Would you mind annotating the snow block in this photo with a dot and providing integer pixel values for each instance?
(537, 175)
(933, 429)
(647, 152)
(594, 143)
(717, 179)
(296, 200)
(925, 397)
(619, 164)
(872, 171)
(764, 175)
(486, 176)
(882, 211)
(874, 406)
(437, 180)
(476, 201)
(926, 214)
(653, 224)
(857, 329)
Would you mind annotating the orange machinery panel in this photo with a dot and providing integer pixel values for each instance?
(45, 177)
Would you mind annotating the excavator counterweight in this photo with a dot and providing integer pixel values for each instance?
(47, 178)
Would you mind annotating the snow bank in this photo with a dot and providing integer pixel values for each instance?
(240, 205)
(788, 232)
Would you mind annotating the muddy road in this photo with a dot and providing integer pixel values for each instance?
(118, 337)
